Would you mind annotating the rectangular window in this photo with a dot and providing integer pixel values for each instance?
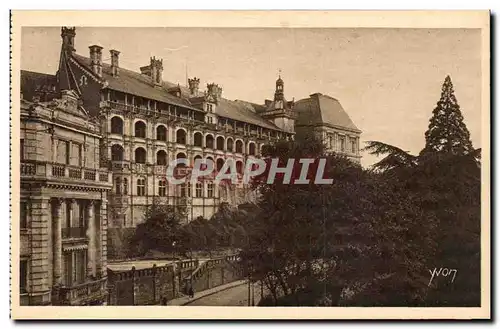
(210, 190)
(199, 190)
(23, 215)
(80, 157)
(188, 189)
(342, 144)
(162, 189)
(21, 146)
(182, 190)
(23, 276)
(68, 152)
(141, 187)
(353, 145)
(68, 269)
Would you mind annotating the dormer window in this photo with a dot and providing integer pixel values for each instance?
(210, 108)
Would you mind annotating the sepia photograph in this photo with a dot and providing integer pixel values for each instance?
(195, 168)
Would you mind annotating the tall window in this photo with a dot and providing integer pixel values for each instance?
(118, 186)
(161, 158)
(239, 146)
(140, 155)
(188, 187)
(180, 136)
(68, 152)
(210, 190)
(80, 155)
(161, 133)
(125, 186)
(342, 144)
(23, 214)
(210, 108)
(182, 188)
(141, 187)
(198, 139)
(353, 145)
(251, 149)
(210, 120)
(117, 125)
(21, 146)
(199, 190)
(230, 145)
(140, 129)
(209, 141)
(23, 276)
(162, 187)
(116, 153)
(220, 143)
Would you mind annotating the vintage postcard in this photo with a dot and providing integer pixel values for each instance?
(240, 165)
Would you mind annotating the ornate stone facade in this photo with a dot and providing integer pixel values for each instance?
(63, 205)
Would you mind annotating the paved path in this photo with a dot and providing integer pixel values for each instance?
(234, 296)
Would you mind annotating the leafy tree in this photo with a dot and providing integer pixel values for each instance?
(159, 229)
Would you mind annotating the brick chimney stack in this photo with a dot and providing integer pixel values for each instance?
(96, 59)
(115, 66)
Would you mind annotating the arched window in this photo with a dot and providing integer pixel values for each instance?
(209, 141)
(180, 137)
(140, 155)
(239, 146)
(198, 139)
(161, 133)
(209, 161)
(239, 167)
(230, 144)
(125, 186)
(118, 186)
(180, 156)
(117, 125)
(251, 148)
(161, 158)
(199, 190)
(141, 186)
(219, 164)
(116, 153)
(220, 143)
(162, 187)
(140, 129)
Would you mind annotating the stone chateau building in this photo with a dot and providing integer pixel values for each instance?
(111, 133)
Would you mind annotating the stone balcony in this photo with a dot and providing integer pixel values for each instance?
(88, 293)
(65, 174)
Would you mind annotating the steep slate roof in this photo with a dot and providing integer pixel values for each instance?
(35, 83)
(139, 84)
(321, 109)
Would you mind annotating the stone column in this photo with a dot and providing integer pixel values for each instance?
(57, 241)
(91, 235)
(104, 238)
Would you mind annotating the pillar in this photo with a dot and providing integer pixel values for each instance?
(57, 241)
(91, 235)
(104, 237)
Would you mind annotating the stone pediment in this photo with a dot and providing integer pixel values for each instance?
(69, 102)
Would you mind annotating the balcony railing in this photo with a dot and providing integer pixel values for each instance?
(78, 294)
(41, 169)
(141, 109)
(74, 232)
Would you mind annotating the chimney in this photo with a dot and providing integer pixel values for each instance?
(68, 39)
(194, 85)
(156, 70)
(215, 91)
(96, 59)
(115, 67)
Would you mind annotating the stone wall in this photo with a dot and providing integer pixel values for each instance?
(148, 286)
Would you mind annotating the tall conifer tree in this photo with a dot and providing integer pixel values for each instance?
(447, 132)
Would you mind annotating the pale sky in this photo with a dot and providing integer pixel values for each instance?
(388, 80)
